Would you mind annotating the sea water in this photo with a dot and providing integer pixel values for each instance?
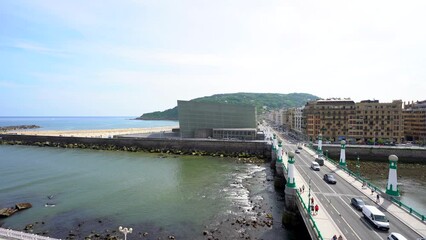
(84, 123)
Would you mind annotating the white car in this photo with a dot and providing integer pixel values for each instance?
(315, 166)
(396, 236)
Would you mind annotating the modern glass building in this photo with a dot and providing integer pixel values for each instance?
(198, 119)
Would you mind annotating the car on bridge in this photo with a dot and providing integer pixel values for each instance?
(315, 166)
(396, 236)
(357, 203)
(376, 217)
(329, 178)
(320, 160)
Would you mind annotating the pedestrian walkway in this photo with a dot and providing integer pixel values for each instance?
(409, 220)
(8, 234)
(323, 220)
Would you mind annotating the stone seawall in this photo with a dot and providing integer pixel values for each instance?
(378, 153)
(259, 149)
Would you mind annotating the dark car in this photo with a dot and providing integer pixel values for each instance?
(320, 161)
(329, 178)
(357, 203)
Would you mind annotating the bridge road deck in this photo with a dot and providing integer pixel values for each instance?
(408, 219)
(323, 220)
(347, 187)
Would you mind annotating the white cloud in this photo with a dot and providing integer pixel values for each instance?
(37, 48)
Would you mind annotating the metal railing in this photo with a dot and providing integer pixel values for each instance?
(408, 208)
(21, 235)
(403, 206)
(312, 221)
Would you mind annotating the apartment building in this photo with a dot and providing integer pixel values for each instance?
(415, 121)
(331, 117)
(377, 122)
(292, 119)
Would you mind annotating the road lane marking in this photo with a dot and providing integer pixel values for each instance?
(344, 202)
(344, 220)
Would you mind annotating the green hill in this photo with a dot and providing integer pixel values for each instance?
(262, 101)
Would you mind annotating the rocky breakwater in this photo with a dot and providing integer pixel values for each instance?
(242, 156)
(7, 212)
(17, 127)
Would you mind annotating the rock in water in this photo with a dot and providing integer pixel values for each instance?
(7, 212)
(22, 206)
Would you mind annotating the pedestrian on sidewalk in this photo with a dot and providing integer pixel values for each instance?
(340, 237)
(303, 188)
(378, 198)
(316, 209)
(312, 201)
(372, 191)
(334, 237)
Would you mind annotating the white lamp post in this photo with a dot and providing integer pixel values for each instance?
(125, 231)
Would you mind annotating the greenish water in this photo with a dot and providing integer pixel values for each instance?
(411, 180)
(99, 190)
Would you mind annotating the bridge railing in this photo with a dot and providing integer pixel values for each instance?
(312, 221)
(408, 209)
(377, 189)
(21, 235)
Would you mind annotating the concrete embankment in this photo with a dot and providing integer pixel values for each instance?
(244, 149)
(378, 153)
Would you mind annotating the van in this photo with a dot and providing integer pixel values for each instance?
(320, 161)
(315, 166)
(376, 217)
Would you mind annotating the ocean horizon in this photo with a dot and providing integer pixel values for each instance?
(83, 122)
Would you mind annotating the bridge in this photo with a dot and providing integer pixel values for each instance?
(336, 215)
(9, 234)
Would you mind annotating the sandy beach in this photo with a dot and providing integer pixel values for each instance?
(100, 133)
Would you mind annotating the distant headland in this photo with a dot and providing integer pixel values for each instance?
(262, 102)
(17, 127)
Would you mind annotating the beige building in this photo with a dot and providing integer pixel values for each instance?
(331, 117)
(378, 122)
(367, 121)
(415, 121)
(292, 119)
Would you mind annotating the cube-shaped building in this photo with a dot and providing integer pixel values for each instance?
(218, 120)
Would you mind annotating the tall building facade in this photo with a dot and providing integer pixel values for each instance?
(200, 119)
(292, 119)
(332, 118)
(415, 121)
(297, 123)
(377, 121)
(366, 121)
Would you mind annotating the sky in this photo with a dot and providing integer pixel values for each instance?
(128, 57)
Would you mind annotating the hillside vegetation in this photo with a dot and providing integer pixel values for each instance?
(262, 102)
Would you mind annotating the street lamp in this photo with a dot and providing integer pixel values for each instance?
(357, 164)
(125, 231)
(309, 197)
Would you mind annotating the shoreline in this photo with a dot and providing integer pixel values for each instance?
(100, 133)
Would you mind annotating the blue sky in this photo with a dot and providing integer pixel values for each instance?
(128, 57)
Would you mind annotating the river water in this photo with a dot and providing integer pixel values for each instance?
(411, 180)
(159, 194)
